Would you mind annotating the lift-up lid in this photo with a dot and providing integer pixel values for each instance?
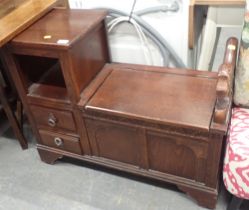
(175, 97)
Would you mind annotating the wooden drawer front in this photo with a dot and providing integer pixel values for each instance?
(52, 118)
(178, 156)
(60, 141)
(114, 142)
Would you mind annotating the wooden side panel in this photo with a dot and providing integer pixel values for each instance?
(178, 156)
(88, 58)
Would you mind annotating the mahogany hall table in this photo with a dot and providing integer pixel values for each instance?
(162, 123)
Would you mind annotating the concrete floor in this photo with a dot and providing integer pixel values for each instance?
(26, 183)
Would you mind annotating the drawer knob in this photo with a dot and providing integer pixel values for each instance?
(58, 141)
(52, 120)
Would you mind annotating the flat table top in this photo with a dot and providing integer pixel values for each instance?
(60, 28)
(176, 97)
(16, 15)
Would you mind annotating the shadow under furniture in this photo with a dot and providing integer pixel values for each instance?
(162, 123)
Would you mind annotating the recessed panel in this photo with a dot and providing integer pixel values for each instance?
(114, 142)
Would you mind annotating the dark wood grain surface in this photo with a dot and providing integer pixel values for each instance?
(171, 98)
(60, 28)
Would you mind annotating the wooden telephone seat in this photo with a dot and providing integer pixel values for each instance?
(162, 123)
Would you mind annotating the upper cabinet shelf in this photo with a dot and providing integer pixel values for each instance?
(60, 54)
(60, 29)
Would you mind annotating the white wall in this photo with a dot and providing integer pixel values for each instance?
(172, 26)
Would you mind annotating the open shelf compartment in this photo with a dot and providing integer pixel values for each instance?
(43, 78)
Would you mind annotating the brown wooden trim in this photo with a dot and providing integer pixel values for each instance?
(144, 162)
(49, 157)
(203, 198)
(180, 181)
(213, 160)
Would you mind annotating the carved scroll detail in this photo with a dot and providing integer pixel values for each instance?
(224, 88)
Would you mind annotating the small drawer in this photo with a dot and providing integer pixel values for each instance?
(60, 141)
(53, 118)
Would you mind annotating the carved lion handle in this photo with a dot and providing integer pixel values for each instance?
(224, 88)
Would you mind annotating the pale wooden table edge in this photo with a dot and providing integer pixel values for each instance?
(27, 21)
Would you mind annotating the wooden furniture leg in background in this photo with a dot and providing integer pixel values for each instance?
(19, 113)
(12, 119)
(17, 127)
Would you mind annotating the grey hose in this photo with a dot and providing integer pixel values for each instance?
(174, 7)
(165, 54)
(154, 35)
